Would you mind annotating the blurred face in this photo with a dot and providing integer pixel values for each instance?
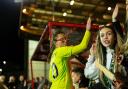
(2, 78)
(75, 77)
(21, 78)
(11, 78)
(107, 37)
(61, 40)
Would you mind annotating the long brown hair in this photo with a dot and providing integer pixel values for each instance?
(101, 50)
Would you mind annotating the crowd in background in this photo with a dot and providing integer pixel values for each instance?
(22, 83)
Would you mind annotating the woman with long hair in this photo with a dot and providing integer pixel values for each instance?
(103, 61)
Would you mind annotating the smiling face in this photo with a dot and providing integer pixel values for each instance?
(107, 37)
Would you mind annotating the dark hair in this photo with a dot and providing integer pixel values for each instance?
(80, 59)
(84, 81)
(79, 71)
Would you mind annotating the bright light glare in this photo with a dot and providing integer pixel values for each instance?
(109, 8)
(0, 70)
(4, 62)
(21, 27)
(64, 14)
(71, 2)
(24, 10)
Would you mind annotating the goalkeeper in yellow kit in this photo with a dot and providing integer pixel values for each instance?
(59, 73)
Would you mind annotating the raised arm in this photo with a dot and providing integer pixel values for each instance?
(84, 43)
(116, 24)
(115, 13)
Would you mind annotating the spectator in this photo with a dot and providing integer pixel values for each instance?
(78, 78)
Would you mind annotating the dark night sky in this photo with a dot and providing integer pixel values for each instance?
(11, 45)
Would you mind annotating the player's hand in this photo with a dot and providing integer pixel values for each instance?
(88, 25)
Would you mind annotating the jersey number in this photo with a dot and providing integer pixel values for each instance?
(54, 71)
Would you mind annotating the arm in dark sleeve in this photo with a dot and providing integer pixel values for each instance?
(117, 27)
